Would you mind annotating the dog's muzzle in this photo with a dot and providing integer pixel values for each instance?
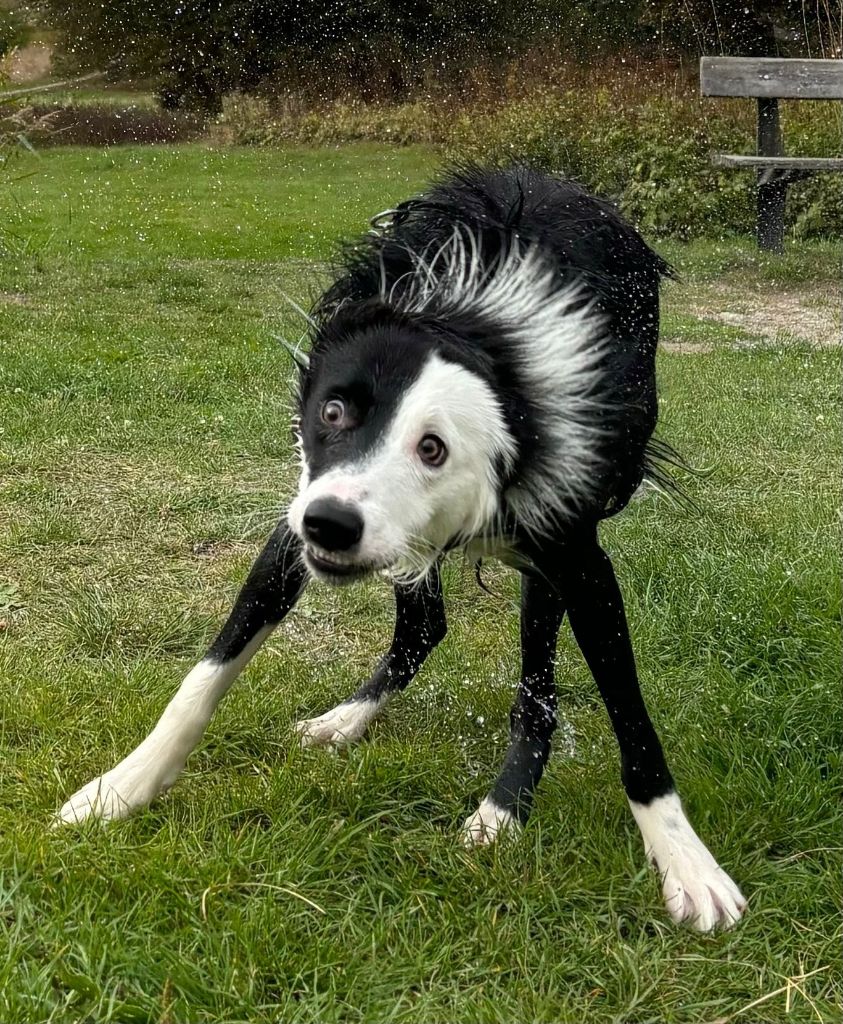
(332, 530)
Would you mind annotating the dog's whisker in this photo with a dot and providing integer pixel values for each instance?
(302, 312)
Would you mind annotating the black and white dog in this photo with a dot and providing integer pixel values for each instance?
(481, 376)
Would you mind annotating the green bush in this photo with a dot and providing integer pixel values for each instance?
(252, 121)
(654, 158)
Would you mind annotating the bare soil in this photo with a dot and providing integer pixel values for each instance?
(765, 315)
(30, 63)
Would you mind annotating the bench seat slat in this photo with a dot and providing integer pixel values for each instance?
(772, 77)
(795, 163)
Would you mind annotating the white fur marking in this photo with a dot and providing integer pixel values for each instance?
(411, 511)
(487, 824)
(154, 765)
(562, 347)
(341, 726)
(695, 887)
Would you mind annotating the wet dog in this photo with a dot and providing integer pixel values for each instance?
(481, 375)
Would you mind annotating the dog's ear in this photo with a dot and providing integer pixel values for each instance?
(301, 359)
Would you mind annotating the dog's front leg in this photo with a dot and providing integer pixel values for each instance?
(532, 720)
(695, 887)
(274, 584)
(419, 626)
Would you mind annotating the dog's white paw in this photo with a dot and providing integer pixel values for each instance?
(696, 889)
(339, 727)
(699, 891)
(117, 794)
(487, 824)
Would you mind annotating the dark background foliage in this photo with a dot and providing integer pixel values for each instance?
(195, 51)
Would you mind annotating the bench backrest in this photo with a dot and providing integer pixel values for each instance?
(772, 77)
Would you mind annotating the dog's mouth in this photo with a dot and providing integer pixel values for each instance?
(335, 568)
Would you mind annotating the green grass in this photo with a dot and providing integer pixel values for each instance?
(740, 263)
(144, 451)
(95, 94)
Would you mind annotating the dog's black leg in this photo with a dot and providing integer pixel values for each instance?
(419, 626)
(274, 584)
(695, 887)
(533, 716)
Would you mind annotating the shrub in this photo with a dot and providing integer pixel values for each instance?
(654, 158)
(254, 121)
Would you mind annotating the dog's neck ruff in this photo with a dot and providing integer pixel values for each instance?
(558, 348)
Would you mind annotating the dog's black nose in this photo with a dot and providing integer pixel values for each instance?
(332, 524)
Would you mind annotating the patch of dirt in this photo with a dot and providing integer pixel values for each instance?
(215, 548)
(687, 348)
(808, 314)
(30, 63)
(15, 298)
(104, 125)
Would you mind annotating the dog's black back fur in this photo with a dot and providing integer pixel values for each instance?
(591, 246)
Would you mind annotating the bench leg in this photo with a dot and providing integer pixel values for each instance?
(771, 200)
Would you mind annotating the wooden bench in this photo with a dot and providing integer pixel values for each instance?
(769, 79)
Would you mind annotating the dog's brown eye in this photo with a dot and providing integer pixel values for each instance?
(432, 450)
(333, 413)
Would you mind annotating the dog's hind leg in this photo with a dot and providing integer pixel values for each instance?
(695, 887)
(419, 627)
(532, 720)
(274, 584)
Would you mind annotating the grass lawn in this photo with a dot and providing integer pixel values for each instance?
(144, 454)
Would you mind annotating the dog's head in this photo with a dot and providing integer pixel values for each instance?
(403, 450)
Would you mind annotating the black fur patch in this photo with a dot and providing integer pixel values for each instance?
(369, 365)
(585, 239)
